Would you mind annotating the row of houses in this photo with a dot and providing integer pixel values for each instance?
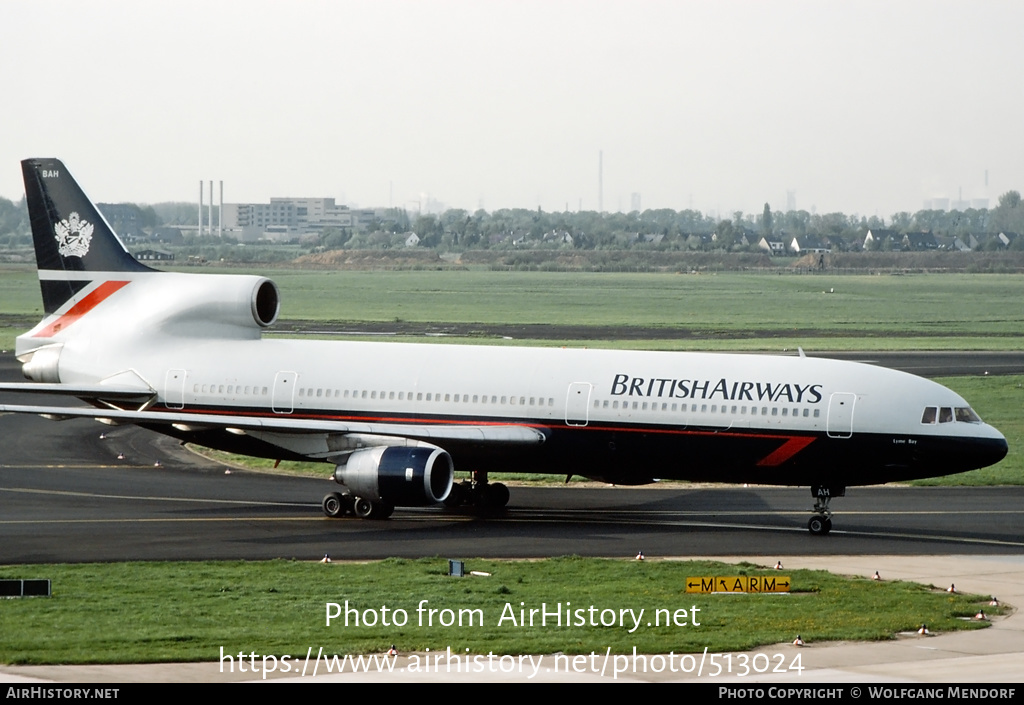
(890, 240)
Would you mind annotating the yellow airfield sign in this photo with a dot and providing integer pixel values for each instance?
(739, 583)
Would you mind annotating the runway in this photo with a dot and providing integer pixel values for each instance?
(65, 496)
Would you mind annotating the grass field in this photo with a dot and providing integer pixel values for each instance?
(744, 311)
(153, 612)
(711, 305)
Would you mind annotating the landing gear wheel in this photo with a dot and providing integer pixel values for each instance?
(497, 496)
(819, 525)
(367, 509)
(362, 507)
(333, 505)
(382, 510)
(461, 493)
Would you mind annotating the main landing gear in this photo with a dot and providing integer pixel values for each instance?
(821, 523)
(478, 493)
(336, 504)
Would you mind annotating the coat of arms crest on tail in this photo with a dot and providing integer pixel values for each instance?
(73, 236)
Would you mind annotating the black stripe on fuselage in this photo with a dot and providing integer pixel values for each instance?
(636, 453)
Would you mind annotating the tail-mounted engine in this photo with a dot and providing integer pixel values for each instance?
(245, 302)
(41, 365)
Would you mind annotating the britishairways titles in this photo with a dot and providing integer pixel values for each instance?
(668, 388)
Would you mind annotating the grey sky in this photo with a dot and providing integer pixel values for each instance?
(860, 107)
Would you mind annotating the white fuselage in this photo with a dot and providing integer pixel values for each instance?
(603, 410)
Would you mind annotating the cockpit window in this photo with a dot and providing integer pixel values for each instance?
(961, 414)
(966, 414)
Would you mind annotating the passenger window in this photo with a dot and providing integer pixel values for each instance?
(929, 415)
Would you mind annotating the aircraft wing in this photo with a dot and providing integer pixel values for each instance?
(98, 392)
(487, 434)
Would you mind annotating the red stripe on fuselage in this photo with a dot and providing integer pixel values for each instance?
(786, 451)
(91, 300)
(792, 446)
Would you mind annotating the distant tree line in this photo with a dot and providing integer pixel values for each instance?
(667, 229)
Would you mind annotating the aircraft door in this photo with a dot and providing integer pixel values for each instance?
(174, 389)
(840, 414)
(283, 401)
(577, 404)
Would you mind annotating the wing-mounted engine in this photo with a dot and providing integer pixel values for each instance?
(398, 475)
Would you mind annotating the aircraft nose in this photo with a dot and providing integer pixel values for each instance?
(996, 448)
(989, 449)
(975, 453)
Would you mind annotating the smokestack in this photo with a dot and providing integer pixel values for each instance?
(200, 207)
(211, 207)
(220, 212)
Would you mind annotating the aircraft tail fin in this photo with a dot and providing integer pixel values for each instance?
(75, 246)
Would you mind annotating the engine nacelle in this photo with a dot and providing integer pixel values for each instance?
(217, 301)
(399, 475)
(42, 364)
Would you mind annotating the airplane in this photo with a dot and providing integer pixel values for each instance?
(183, 354)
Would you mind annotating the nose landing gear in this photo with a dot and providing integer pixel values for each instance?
(821, 522)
